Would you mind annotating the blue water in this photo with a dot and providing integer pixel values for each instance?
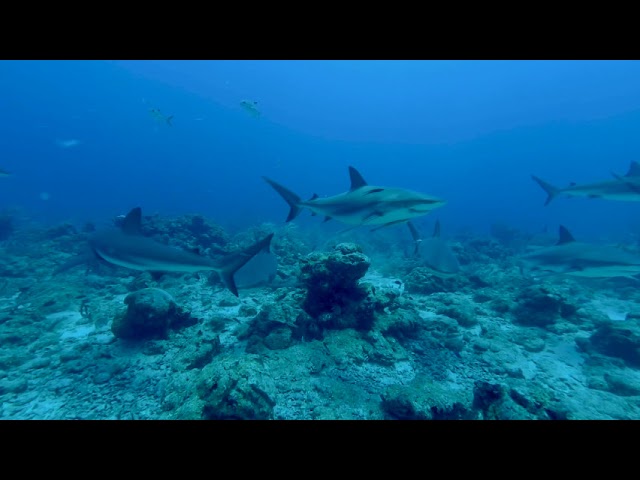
(471, 132)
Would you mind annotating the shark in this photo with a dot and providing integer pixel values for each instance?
(261, 270)
(127, 247)
(160, 117)
(362, 204)
(251, 106)
(434, 251)
(580, 259)
(624, 188)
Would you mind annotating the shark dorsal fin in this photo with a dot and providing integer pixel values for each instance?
(132, 223)
(356, 179)
(565, 236)
(436, 229)
(313, 197)
(634, 170)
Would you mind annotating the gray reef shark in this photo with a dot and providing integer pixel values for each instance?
(434, 251)
(624, 188)
(127, 247)
(579, 259)
(363, 204)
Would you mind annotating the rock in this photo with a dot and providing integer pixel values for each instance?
(623, 385)
(540, 307)
(614, 340)
(150, 314)
(236, 389)
(272, 327)
(460, 308)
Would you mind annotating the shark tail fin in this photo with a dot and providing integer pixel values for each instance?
(291, 198)
(235, 261)
(552, 191)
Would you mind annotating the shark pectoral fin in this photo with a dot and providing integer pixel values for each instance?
(235, 261)
(387, 225)
(326, 219)
(372, 214)
(347, 230)
(169, 118)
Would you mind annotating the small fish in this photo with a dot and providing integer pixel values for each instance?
(155, 113)
(251, 107)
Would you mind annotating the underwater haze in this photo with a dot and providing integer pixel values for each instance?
(471, 132)
(320, 239)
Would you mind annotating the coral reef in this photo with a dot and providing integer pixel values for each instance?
(358, 331)
(335, 299)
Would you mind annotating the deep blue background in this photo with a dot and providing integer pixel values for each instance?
(471, 132)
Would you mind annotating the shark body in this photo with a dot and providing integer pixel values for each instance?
(127, 247)
(362, 204)
(625, 188)
(580, 259)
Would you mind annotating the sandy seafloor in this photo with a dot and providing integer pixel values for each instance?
(488, 343)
